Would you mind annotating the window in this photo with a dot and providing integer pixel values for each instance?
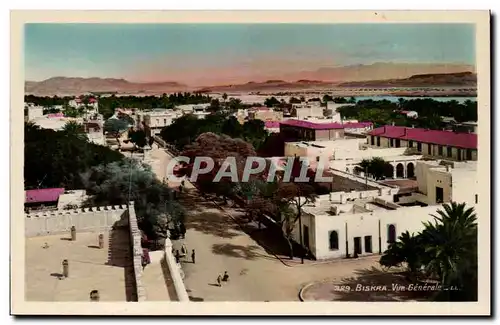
(334, 240)
(476, 199)
(410, 144)
(448, 151)
(398, 143)
(419, 147)
(391, 234)
(372, 140)
(429, 149)
(165, 121)
(378, 141)
(368, 244)
(440, 150)
(391, 143)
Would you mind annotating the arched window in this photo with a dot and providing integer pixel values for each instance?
(334, 240)
(391, 234)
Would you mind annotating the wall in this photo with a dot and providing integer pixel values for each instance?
(58, 222)
(464, 186)
(135, 240)
(438, 177)
(366, 224)
(175, 273)
(266, 115)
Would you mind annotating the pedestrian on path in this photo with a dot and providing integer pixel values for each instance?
(177, 256)
(193, 256)
(219, 281)
(225, 278)
(182, 230)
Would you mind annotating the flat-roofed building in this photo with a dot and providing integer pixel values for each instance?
(298, 130)
(437, 144)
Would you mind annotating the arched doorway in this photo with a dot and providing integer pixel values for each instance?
(389, 170)
(400, 171)
(334, 240)
(410, 170)
(391, 234)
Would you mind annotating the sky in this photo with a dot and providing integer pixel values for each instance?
(197, 54)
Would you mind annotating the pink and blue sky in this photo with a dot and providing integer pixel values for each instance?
(198, 54)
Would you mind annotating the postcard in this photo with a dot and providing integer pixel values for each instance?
(250, 163)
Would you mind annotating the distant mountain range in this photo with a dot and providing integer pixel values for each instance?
(461, 79)
(378, 74)
(76, 86)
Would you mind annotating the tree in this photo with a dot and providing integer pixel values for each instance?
(446, 250)
(377, 167)
(302, 99)
(407, 249)
(129, 180)
(271, 102)
(451, 250)
(294, 100)
(224, 97)
(56, 158)
(327, 98)
(214, 106)
(327, 112)
(75, 129)
(115, 127)
(138, 138)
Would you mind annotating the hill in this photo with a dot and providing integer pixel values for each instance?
(76, 86)
(460, 79)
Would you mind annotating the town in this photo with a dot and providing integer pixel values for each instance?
(105, 220)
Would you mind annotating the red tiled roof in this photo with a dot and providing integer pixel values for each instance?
(325, 126)
(272, 124)
(445, 138)
(43, 195)
(55, 115)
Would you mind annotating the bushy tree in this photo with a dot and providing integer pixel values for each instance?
(129, 180)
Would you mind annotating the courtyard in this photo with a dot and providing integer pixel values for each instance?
(108, 270)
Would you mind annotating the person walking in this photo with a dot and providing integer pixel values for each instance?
(177, 257)
(182, 230)
(193, 256)
(225, 277)
(219, 281)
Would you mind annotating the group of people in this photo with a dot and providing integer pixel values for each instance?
(224, 278)
(184, 251)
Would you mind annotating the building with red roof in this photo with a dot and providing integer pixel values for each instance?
(42, 198)
(301, 130)
(431, 143)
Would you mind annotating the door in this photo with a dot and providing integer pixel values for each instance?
(368, 244)
(306, 236)
(439, 194)
(357, 245)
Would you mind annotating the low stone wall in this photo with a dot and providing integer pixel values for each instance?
(135, 240)
(45, 223)
(175, 273)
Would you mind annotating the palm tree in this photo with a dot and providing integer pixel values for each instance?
(451, 248)
(75, 129)
(407, 249)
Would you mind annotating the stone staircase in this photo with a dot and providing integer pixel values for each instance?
(120, 255)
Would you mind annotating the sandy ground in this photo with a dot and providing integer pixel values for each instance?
(90, 268)
(255, 275)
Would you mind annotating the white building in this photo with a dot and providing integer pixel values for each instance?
(92, 106)
(366, 221)
(305, 111)
(346, 154)
(33, 112)
(336, 117)
(156, 119)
